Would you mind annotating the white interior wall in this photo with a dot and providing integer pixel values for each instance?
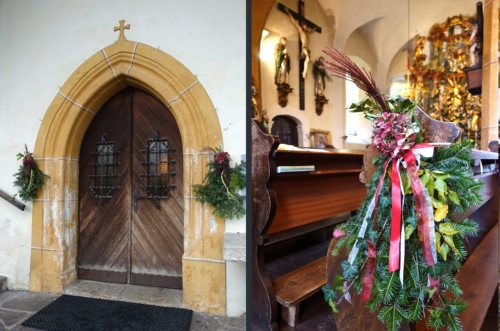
(43, 42)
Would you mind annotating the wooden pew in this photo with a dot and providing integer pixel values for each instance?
(478, 277)
(293, 215)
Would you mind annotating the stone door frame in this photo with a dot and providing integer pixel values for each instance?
(57, 148)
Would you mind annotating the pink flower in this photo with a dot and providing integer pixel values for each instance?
(394, 133)
(337, 233)
(221, 157)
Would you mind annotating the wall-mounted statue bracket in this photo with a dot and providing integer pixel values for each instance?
(320, 102)
(283, 91)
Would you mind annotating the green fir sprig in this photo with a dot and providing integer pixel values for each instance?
(221, 186)
(447, 171)
(29, 179)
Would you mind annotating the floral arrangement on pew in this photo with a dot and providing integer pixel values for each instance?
(221, 186)
(29, 178)
(404, 247)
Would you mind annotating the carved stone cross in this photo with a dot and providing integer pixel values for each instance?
(122, 28)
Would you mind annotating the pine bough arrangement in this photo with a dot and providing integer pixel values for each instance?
(404, 247)
(29, 179)
(221, 186)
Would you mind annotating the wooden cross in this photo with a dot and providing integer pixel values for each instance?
(122, 28)
(302, 21)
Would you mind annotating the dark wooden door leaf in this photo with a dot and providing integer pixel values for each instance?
(285, 128)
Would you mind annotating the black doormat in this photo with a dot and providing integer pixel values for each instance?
(78, 313)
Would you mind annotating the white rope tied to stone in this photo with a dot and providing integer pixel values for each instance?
(111, 67)
(132, 59)
(76, 103)
(183, 91)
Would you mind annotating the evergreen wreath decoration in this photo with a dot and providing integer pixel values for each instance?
(221, 186)
(403, 281)
(29, 178)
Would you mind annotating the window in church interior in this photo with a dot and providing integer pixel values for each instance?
(158, 174)
(285, 128)
(399, 86)
(104, 170)
(357, 128)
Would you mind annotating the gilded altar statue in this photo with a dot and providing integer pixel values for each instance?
(437, 79)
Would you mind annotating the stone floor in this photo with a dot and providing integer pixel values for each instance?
(17, 306)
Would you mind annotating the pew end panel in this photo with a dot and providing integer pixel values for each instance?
(298, 196)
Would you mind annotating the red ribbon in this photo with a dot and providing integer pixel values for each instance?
(424, 211)
(425, 221)
(396, 218)
(369, 273)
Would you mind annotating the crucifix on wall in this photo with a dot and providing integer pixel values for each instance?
(304, 28)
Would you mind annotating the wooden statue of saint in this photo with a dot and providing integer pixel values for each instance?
(282, 71)
(320, 76)
(282, 62)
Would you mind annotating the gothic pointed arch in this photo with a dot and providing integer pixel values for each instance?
(55, 217)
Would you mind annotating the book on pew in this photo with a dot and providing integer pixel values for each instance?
(287, 169)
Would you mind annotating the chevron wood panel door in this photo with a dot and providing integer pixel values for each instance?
(157, 219)
(131, 194)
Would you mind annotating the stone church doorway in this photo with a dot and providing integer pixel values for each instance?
(56, 229)
(131, 227)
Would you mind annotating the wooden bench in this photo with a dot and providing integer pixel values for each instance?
(293, 214)
(296, 286)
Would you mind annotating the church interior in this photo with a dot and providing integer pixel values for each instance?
(310, 163)
(123, 107)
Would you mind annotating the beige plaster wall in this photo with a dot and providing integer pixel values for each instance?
(44, 42)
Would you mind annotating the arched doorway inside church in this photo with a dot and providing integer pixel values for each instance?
(131, 208)
(285, 128)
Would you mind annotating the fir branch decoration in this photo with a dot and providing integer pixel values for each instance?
(394, 303)
(221, 186)
(404, 285)
(29, 179)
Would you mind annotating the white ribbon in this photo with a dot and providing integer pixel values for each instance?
(362, 231)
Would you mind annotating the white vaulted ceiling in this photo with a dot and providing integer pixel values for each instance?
(385, 26)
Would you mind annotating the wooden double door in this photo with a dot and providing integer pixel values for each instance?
(131, 194)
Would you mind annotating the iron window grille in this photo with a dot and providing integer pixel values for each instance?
(104, 170)
(159, 171)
